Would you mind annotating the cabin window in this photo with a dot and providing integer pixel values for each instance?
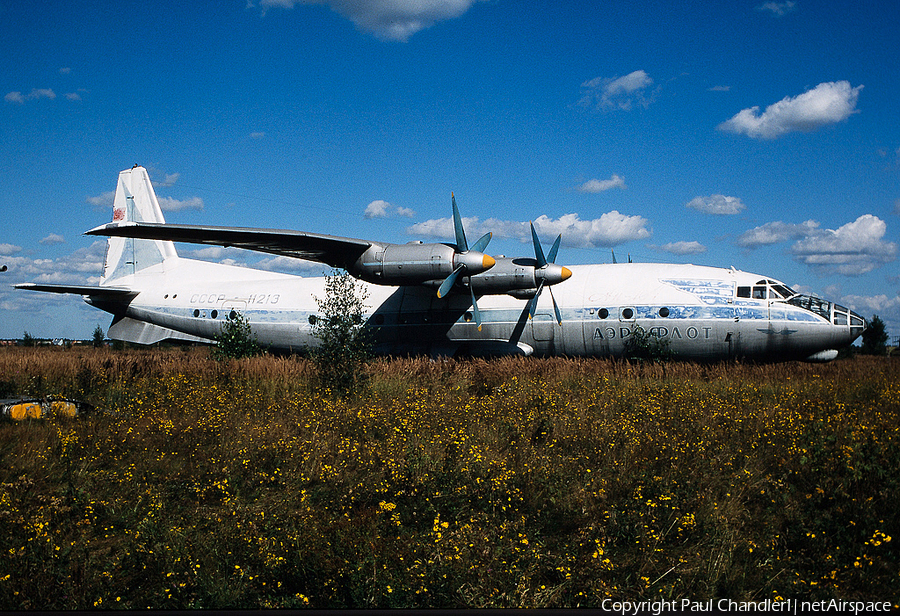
(214, 314)
(627, 313)
(196, 313)
(232, 315)
(603, 313)
(312, 319)
(467, 317)
(664, 312)
(759, 292)
(743, 292)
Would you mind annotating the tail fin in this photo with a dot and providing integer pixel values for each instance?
(135, 201)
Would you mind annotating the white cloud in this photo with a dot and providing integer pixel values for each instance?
(73, 96)
(377, 209)
(827, 103)
(716, 204)
(681, 248)
(878, 304)
(170, 179)
(617, 92)
(774, 232)
(104, 200)
(74, 268)
(851, 250)
(257, 135)
(383, 209)
(392, 20)
(53, 238)
(9, 249)
(611, 229)
(719, 89)
(778, 9)
(596, 186)
(18, 97)
(168, 204)
(246, 258)
(209, 253)
(886, 307)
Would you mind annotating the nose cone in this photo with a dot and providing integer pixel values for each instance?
(553, 273)
(475, 262)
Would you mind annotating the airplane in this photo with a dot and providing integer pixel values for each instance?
(445, 299)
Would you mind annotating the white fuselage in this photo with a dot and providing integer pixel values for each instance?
(697, 312)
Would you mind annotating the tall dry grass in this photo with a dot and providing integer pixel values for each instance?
(506, 483)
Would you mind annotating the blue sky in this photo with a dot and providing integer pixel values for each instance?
(762, 135)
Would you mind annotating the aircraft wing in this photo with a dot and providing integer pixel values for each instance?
(329, 249)
(77, 289)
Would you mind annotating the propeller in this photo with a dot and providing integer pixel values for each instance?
(471, 260)
(548, 271)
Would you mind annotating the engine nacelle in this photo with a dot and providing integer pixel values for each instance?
(416, 263)
(518, 277)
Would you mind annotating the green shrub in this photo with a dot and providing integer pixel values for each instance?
(236, 339)
(344, 345)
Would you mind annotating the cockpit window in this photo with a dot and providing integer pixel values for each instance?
(766, 289)
(783, 291)
(813, 304)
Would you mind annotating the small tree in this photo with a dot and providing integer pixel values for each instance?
(344, 345)
(644, 345)
(236, 340)
(28, 340)
(874, 339)
(98, 337)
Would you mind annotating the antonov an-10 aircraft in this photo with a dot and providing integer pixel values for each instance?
(444, 299)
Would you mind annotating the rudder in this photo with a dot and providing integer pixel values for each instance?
(135, 201)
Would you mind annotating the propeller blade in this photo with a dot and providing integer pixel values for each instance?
(461, 245)
(475, 308)
(538, 251)
(555, 307)
(482, 242)
(449, 281)
(534, 300)
(551, 256)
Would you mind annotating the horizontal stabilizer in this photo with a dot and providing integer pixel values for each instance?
(139, 332)
(78, 289)
(331, 250)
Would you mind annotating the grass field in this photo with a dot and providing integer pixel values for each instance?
(504, 483)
